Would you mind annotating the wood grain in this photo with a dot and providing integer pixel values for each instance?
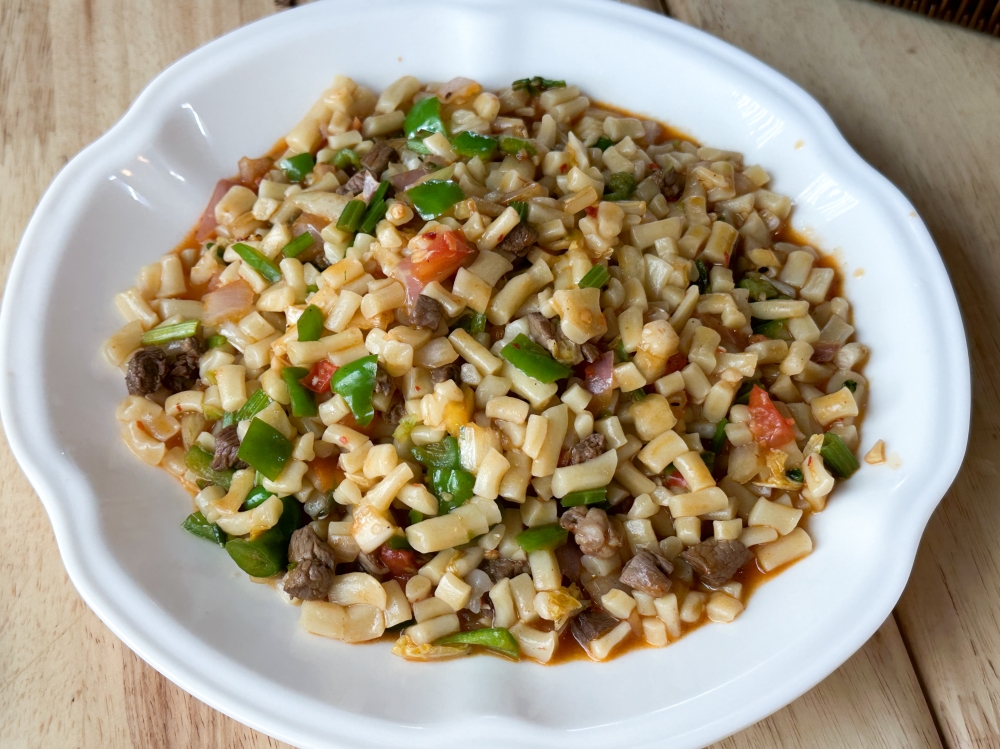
(68, 70)
(920, 101)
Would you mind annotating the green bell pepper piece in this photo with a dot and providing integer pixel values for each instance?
(472, 322)
(297, 167)
(254, 405)
(199, 461)
(443, 454)
(434, 197)
(346, 157)
(257, 496)
(533, 360)
(303, 400)
(263, 265)
(424, 117)
(468, 144)
(514, 146)
(267, 554)
(417, 146)
(310, 323)
(167, 333)
(453, 487)
(196, 525)
(355, 382)
(496, 638)
(759, 287)
(584, 497)
(542, 537)
(265, 448)
(771, 328)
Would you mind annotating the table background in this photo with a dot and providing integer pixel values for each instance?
(918, 99)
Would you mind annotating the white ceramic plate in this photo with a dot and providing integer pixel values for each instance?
(185, 608)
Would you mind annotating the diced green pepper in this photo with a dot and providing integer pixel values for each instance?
(298, 245)
(267, 554)
(719, 438)
(604, 143)
(346, 157)
(303, 400)
(514, 146)
(620, 186)
(265, 448)
(595, 278)
(533, 360)
(416, 516)
(353, 213)
(199, 461)
(542, 537)
(196, 525)
(297, 167)
(312, 288)
(522, 209)
(310, 324)
(355, 382)
(398, 542)
(452, 486)
(215, 341)
(257, 496)
(536, 84)
(434, 197)
(417, 146)
(759, 288)
(838, 457)
(468, 144)
(424, 117)
(585, 497)
(702, 281)
(472, 322)
(167, 333)
(771, 328)
(795, 474)
(263, 265)
(496, 638)
(443, 454)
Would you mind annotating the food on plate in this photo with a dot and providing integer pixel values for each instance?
(507, 371)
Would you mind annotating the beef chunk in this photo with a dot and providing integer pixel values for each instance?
(363, 182)
(671, 183)
(541, 329)
(643, 573)
(227, 444)
(517, 242)
(590, 352)
(590, 624)
(309, 580)
(451, 371)
(716, 561)
(586, 449)
(498, 569)
(569, 557)
(592, 531)
(427, 313)
(305, 544)
(182, 371)
(384, 384)
(145, 371)
(549, 336)
(377, 160)
(396, 413)
(312, 576)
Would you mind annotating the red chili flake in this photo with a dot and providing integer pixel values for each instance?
(591, 211)
(318, 379)
(564, 168)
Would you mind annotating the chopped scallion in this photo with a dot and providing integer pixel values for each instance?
(167, 333)
(298, 245)
(350, 218)
(263, 265)
(838, 457)
(595, 278)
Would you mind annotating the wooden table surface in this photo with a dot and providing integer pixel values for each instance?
(920, 100)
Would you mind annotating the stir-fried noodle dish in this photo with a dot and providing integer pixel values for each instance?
(511, 371)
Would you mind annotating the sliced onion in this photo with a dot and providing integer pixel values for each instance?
(600, 373)
(233, 301)
(207, 223)
(458, 88)
(481, 584)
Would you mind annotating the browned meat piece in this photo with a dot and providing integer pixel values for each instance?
(716, 561)
(313, 573)
(593, 532)
(517, 242)
(451, 371)
(591, 624)
(498, 569)
(305, 544)
(377, 160)
(586, 449)
(671, 183)
(824, 351)
(541, 329)
(384, 384)
(590, 352)
(309, 580)
(227, 444)
(182, 371)
(488, 207)
(396, 413)
(145, 371)
(362, 182)
(643, 573)
(569, 557)
(427, 313)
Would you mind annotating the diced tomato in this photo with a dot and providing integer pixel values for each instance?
(768, 426)
(318, 379)
(207, 223)
(402, 563)
(328, 473)
(676, 363)
(676, 480)
(435, 256)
